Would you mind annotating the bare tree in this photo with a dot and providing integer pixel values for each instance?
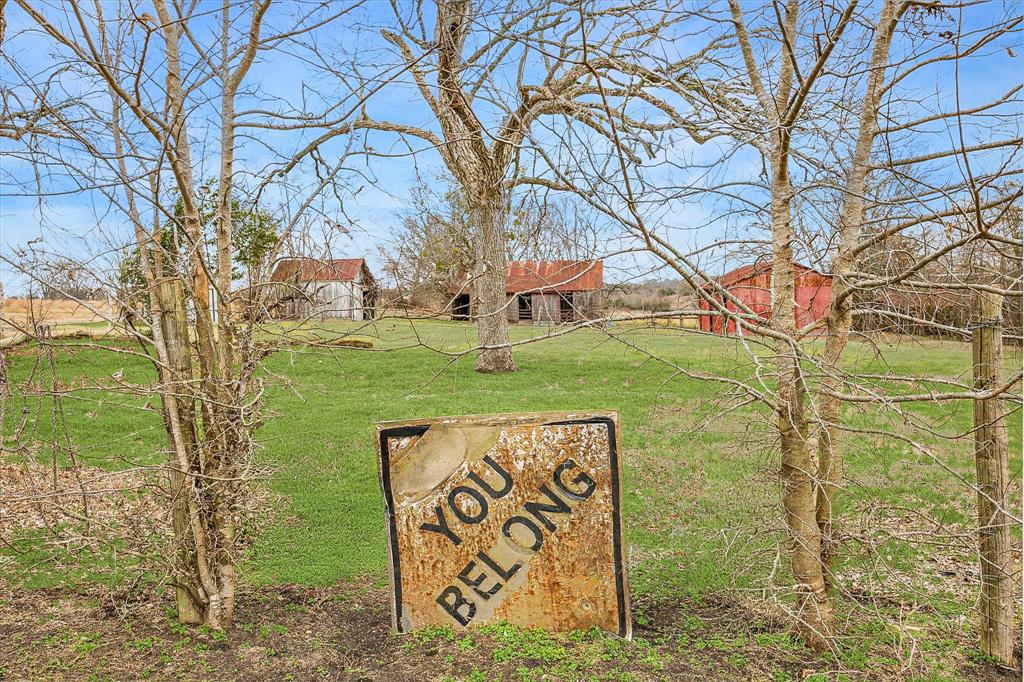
(150, 94)
(490, 73)
(431, 254)
(851, 158)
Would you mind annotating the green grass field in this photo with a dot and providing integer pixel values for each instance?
(700, 492)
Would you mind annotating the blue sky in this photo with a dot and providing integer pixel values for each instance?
(79, 224)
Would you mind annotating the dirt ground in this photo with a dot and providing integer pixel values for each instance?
(342, 633)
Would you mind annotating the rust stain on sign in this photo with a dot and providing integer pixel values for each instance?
(507, 517)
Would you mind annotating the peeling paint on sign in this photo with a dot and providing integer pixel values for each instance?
(506, 517)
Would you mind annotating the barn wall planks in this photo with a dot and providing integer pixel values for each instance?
(752, 284)
(325, 300)
(545, 308)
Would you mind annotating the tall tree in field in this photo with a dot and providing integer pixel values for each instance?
(488, 73)
(824, 101)
(431, 253)
(125, 112)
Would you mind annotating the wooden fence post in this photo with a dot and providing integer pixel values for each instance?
(990, 451)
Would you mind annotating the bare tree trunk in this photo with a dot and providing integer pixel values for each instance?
(170, 298)
(175, 368)
(830, 462)
(224, 226)
(814, 608)
(840, 319)
(996, 604)
(199, 582)
(495, 353)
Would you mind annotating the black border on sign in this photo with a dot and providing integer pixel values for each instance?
(389, 504)
(613, 452)
(389, 508)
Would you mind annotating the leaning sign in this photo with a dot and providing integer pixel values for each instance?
(507, 517)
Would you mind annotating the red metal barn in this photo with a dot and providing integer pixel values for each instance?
(752, 285)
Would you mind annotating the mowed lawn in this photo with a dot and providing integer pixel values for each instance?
(700, 491)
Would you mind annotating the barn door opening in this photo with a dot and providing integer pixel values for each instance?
(525, 303)
(370, 303)
(460, 307)
(566, 311)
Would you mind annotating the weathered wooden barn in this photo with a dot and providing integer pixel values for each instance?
(543, 292)
(752, 283)
(338, 288)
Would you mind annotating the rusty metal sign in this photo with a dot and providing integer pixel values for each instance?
(508, 517)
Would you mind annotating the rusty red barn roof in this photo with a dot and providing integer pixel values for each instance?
(314, 270)
(554, 275)
(747, 272)
(547, 276)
